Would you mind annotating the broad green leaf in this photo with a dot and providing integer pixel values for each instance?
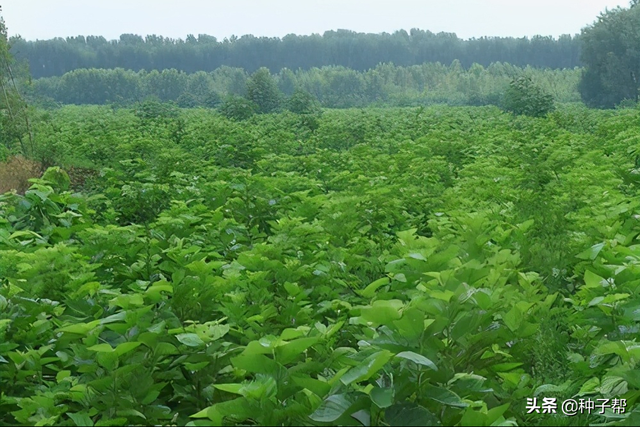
(382, 397)
(320, 388)
(332, 408)
(239, 408)
(290, 351)
(444, 396)
(592, 280)
(417, 358)
(513, 318)
(589, 387)
(551, 388)
(410, 415)
(80, 328)
(229, 388)
(382, 312)
(126, 347)
(80, 418)
(367, 368)
(190, 340)
(592, 252)
(101, 348)
(255, 363)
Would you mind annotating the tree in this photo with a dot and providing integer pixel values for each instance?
(525, 97)
(611, 56)
(14, 117)
(238, 108)
(263, 91)
(307, 107)
(212, 99)
(302, 102)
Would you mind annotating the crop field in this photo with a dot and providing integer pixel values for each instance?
(397, 266)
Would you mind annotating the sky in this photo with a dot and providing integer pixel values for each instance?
(46, 19)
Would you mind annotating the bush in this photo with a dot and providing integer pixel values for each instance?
(238, 108)
(302, 102)
(523, 97)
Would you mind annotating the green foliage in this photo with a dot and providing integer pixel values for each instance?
(359, 51)
(524, 97)
(302, 102)
(238, 108)
(15, 131)
(213, 100)
(382, 84)
(610, 55)
(263, 91)
(431, 266)
(58, 178)
(154, 109)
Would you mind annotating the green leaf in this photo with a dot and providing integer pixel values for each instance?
(551, 388)
(320, 388)
(229, 388)
(410, 415)
(591, 253)
(592, 280)
(190, 340)
(367, 368)
(291, 350)
(130, 413)
(411, 325)
(382, 397)
(60, 376)
(255, 363)
(513, 318)
(589, 387)
(382, 312)
(613, 386)
(417, 358)
(126, 347)
(101, 348)
(239, 408)
(80, 328)
(331, 409)
(81, 418)
(444, 396)
(370, 290)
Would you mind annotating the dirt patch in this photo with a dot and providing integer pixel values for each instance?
(16, 172)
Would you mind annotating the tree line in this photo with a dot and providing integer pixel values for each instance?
(357, 51)
(331, 86)
(342, 68)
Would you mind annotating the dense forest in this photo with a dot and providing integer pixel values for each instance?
(352, 50)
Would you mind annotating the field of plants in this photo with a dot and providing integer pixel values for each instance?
(398, 266)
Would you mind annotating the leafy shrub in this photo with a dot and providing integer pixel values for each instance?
(302, 102)
(212, 99)
(238, 108)
(523, 97)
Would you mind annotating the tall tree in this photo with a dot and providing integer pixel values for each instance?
(611, 55)
(263, 91)
(14, 118)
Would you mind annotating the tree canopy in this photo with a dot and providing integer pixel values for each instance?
(611, 55)
(358, 51)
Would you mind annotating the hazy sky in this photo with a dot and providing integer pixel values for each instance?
(44, 19)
